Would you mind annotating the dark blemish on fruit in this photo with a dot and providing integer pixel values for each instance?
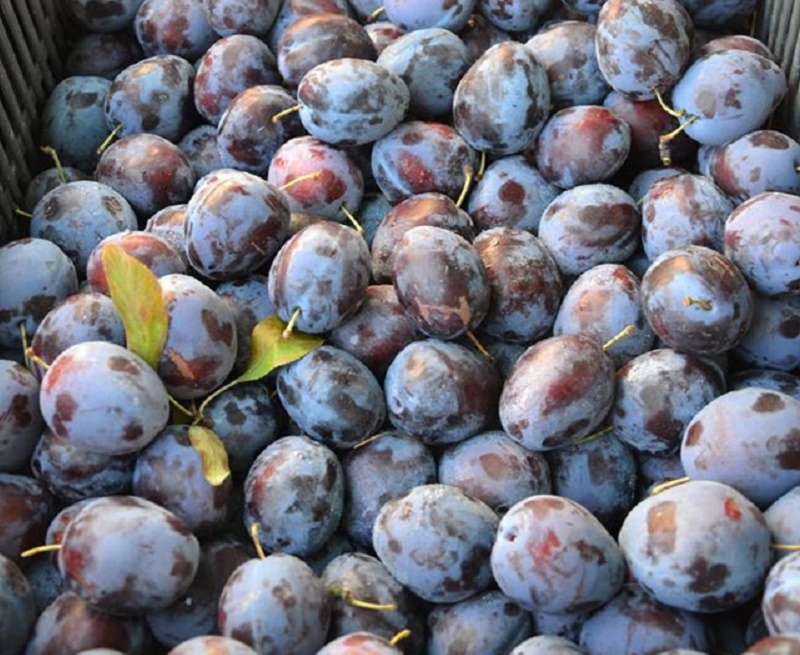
(65, 406)
(768, 402)
(789, 458)
(132, 432)
(590, 552)
(182, 568)
(707, 577)
(123, 365)
(512, 192)
(694, 433)
(19, 410)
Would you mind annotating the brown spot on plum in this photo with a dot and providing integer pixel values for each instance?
(512, 192)
(768, 402)
(133, 432)
(590, 552)
(182, 567)
(661, 528)
(789, 457)
(123, 365)
(218, 330)
(494, 465)
(694, 433)
(706, 577)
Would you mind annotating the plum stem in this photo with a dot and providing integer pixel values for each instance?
(51, 152)
(790, 548)
(19, 211)
(599, 434)
(706, 305)
(403, 634)
(627, 331)
(292, 322)
(665, 139)
(23, 332)
(46, 548)
(286, 112)
(481, 166)
(352, 220)
(31, 357)
(374, 437)
(256, 541)
(668, 485)
(675, 113)
(468, 175)
(347, 596)
(373, 15)
(102, 147)
(180, 407)
(478, 345)
(198, 413)
(299, 179)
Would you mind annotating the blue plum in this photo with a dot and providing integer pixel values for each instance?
(441, 392)
(697, 300)
(73, 120)
(762, 237)
(748, 439)
(567, 51)
(169, 472)
(276, 605)
(50, 276)
(557, 392)
(295, 492)
(20, 418)
(553, 555)
(378, 471)
(235, 224)
(76, 216)
(666, 545)
(351, 101)
(600, 475)
(126, 555)
(431, 62)
(19, 612)
(600, 303)
(435, 541)
(682, 210)
(201, 344)
(230, 66)
(657, 395)
(525, 284)
(511, 193)
(487, 624)
(332, 397)
(320, 275)
(502, 101)
(103, 398)
(152, 96)
(494, 469)
(643, 46)
(716, 88)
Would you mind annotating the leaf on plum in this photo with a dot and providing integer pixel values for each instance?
(270, 349)
(136, 294)
(213, 454)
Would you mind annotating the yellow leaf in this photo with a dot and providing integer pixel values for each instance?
(137, 296)
(269, 348)
(212, 451)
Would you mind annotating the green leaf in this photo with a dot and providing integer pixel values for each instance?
(137, 296)
(269, 348)
(213, 454)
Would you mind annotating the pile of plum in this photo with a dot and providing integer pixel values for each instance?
(552, 250)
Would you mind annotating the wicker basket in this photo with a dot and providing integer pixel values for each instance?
(33, 40)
